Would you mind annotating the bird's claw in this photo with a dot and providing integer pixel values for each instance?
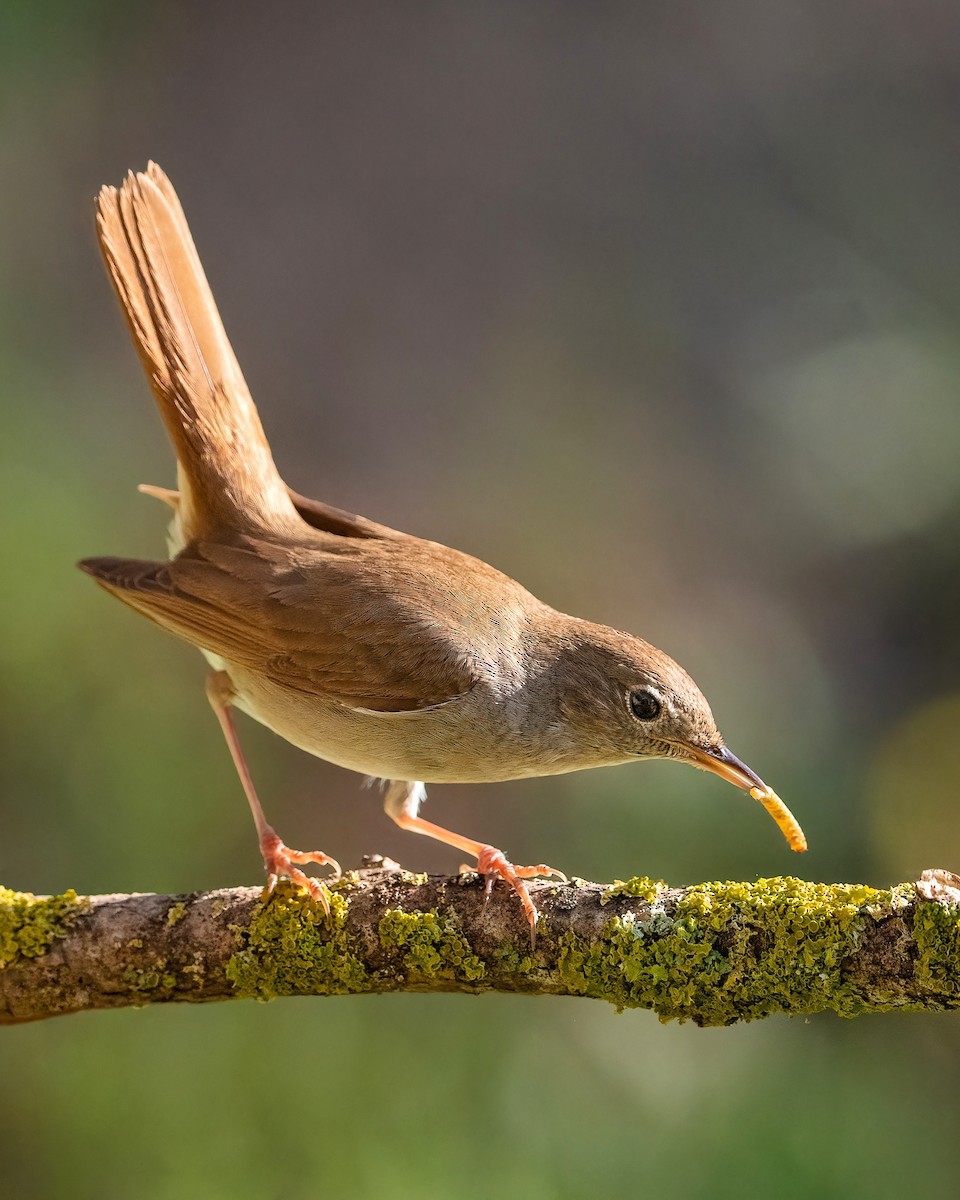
(279, 862)
(493, 864)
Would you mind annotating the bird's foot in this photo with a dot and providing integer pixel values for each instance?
(493, 864)
(280, 861)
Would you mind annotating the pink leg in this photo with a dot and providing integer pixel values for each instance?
(278, 859)
(402, 804)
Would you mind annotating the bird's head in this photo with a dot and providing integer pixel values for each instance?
(622, 699)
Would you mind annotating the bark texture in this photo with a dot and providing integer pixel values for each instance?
(713, 953)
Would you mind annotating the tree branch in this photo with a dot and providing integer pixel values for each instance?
(714, 953)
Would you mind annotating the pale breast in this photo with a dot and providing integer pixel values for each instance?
(472, 738)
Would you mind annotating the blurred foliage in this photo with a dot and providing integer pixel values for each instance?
(655, 307)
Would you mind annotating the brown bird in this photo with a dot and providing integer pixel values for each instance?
(387, 654)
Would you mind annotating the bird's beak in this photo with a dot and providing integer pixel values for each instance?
(725, 764)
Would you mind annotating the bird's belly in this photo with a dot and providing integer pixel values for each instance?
(445, 744)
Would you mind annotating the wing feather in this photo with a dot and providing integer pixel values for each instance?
(331, 624)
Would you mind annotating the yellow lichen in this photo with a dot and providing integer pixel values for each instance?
(936, 927)
(149, 979)
(29, 924)
(732, 951)
(290, 948)
(429, 946)
(640, 886)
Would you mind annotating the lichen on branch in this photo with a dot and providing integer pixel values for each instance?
(714, 953)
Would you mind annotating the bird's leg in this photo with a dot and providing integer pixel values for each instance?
(278, 859)
(402, 803)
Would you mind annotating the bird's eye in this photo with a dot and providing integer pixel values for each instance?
(645, 705)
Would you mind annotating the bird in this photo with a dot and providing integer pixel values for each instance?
(393, 656)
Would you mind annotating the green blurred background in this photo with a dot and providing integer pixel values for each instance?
(657, 308)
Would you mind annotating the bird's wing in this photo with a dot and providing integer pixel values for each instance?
(329, 519)
(324, 517)
(342, 626)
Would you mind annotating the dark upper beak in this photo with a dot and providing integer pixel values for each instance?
(725, 764)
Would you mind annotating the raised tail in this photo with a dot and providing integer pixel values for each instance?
(226, 472)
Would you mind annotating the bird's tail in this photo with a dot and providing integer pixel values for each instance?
(226, 473)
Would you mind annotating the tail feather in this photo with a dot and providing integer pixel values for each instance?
(227, 475)
(168, 496)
